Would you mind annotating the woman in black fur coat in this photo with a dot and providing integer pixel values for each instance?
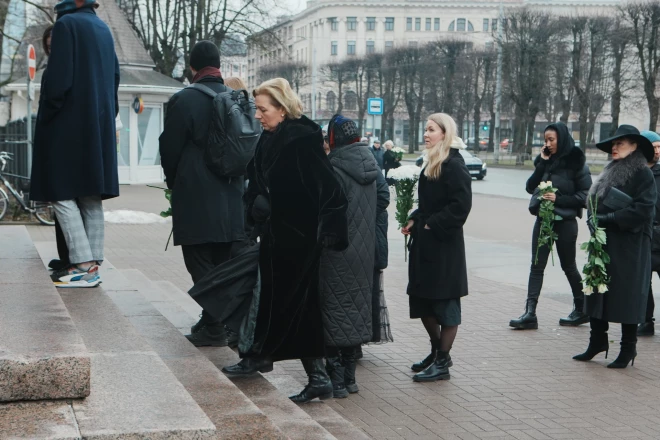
(296, 201)
(562, 163)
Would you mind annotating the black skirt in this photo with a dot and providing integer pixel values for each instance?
(445, 311)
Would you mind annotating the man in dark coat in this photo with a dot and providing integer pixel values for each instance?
(378, 153)
(346, 277)
(207, 210)
(75, 152)
(647, 328)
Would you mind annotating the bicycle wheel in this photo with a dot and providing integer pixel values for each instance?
(44, 213)
(4, 203)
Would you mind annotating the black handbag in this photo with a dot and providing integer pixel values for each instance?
(617, 199)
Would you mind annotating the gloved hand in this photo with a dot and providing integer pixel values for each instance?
(329, 242)
(260, 209)
(605, 218)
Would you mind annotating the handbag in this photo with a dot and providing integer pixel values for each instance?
(617, 199)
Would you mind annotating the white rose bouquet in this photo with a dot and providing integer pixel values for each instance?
(398, 152)
(547, 235)
(405, 179)
(596, 278)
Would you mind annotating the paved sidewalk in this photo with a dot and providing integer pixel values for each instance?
(505, 384)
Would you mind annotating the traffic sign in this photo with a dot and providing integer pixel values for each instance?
(375, 106)
(32, 62)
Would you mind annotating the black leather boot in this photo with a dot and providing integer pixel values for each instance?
(336, 372)
(628, 347)
(577, 316)
(248, 367)
(438, 370)
(528, 319)
(646, 329)
(232, 337)
(209, 335)
(319, 383)
(349, 359)
(427, 361)
(597, 344)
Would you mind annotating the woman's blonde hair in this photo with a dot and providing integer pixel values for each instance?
(439, 152)
(281, 96)
(235, 83)
(388, 143)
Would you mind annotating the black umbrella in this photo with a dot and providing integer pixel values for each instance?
(226, 292)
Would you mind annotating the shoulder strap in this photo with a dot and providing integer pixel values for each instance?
(204, 89)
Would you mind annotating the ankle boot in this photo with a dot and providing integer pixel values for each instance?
(319, 383)
(248, 367)
(438, 370)
(628, 348)
(208, 334)
(336, 371)
(597, 344)
(646, 329)
(577, 316)
(424, 364)
(528, 319)
(349, 361)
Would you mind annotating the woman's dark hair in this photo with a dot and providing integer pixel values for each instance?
(44, 39)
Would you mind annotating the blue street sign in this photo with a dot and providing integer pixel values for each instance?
(375, 106)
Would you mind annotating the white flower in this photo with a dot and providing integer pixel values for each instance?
(542, 185)
(398, 150)
(410, 172)
(602, 288)
(588, 290)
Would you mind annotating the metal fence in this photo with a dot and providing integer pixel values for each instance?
(13, 139)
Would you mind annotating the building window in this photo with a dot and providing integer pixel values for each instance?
(418, 24)
(470, 26)
(493, 24)
(409, 24)
(412, 44)
(371, 47)
(389, 24)
(371, 23)
(485, 25)
(389, 45)
(436, 24)
(351, 23)
(331, 101)
(333, 48)
(334, 25)
(460, 25)
(428, 24)
(351, 48)
(350, 101)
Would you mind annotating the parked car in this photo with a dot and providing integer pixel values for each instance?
(506, 144)
(483, 144)
(475, 166)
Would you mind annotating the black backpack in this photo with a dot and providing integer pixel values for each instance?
(233, 133)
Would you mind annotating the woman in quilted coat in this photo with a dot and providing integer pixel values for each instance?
(346, 277)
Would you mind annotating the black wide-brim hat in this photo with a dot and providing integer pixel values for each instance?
(628, 132)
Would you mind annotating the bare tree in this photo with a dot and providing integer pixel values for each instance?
(387, 86)
(483, 67)
(339, 74)
(293, 71)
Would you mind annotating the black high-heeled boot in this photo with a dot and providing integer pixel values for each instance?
(438, 370)
(336, 372)
(319, 384)
(597, 344)
(527, 320)
(628, 347)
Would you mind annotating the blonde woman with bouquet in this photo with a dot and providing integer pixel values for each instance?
(391, 159)
(437, 270)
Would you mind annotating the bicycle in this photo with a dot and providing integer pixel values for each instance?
(44, 212)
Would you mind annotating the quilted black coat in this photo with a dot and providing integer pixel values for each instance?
(346, 277)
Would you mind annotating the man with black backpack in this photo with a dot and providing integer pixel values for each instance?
(207, 205)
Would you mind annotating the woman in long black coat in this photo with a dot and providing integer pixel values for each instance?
(295, 199)
(626, 196)
(437, 269)
(564, 164)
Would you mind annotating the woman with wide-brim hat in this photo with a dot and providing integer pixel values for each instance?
(626, 195)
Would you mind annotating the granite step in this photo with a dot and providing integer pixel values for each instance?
(42, 355)
(269, 391)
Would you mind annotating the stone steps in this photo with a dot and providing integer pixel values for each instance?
(42, 355)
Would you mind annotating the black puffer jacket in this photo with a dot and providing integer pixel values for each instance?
(346, 277)
(568, 172)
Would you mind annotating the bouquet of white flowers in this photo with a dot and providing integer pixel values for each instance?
(596, 278)
(547, 235)
(405, 178)
(398, 152)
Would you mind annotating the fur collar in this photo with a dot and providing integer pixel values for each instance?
(618, 172)
(573, 159)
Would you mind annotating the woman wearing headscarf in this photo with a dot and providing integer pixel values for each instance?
(562, 163)
(298, 204)
(437, 271)
(625, 197)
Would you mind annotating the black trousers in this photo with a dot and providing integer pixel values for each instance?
(201, 258)
(567, 231)
(62, 249)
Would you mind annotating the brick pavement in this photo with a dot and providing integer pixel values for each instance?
(505, 384)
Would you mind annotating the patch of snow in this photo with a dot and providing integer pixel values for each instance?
(126, 217)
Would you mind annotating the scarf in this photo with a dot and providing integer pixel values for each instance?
(618, 172)
(206, 72)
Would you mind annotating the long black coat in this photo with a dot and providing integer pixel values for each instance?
(629, 248)
(346, 277)
(437, 268)
(307, 205)
(568, 172)
(75, 146)
(205, 208)
(382, 202)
